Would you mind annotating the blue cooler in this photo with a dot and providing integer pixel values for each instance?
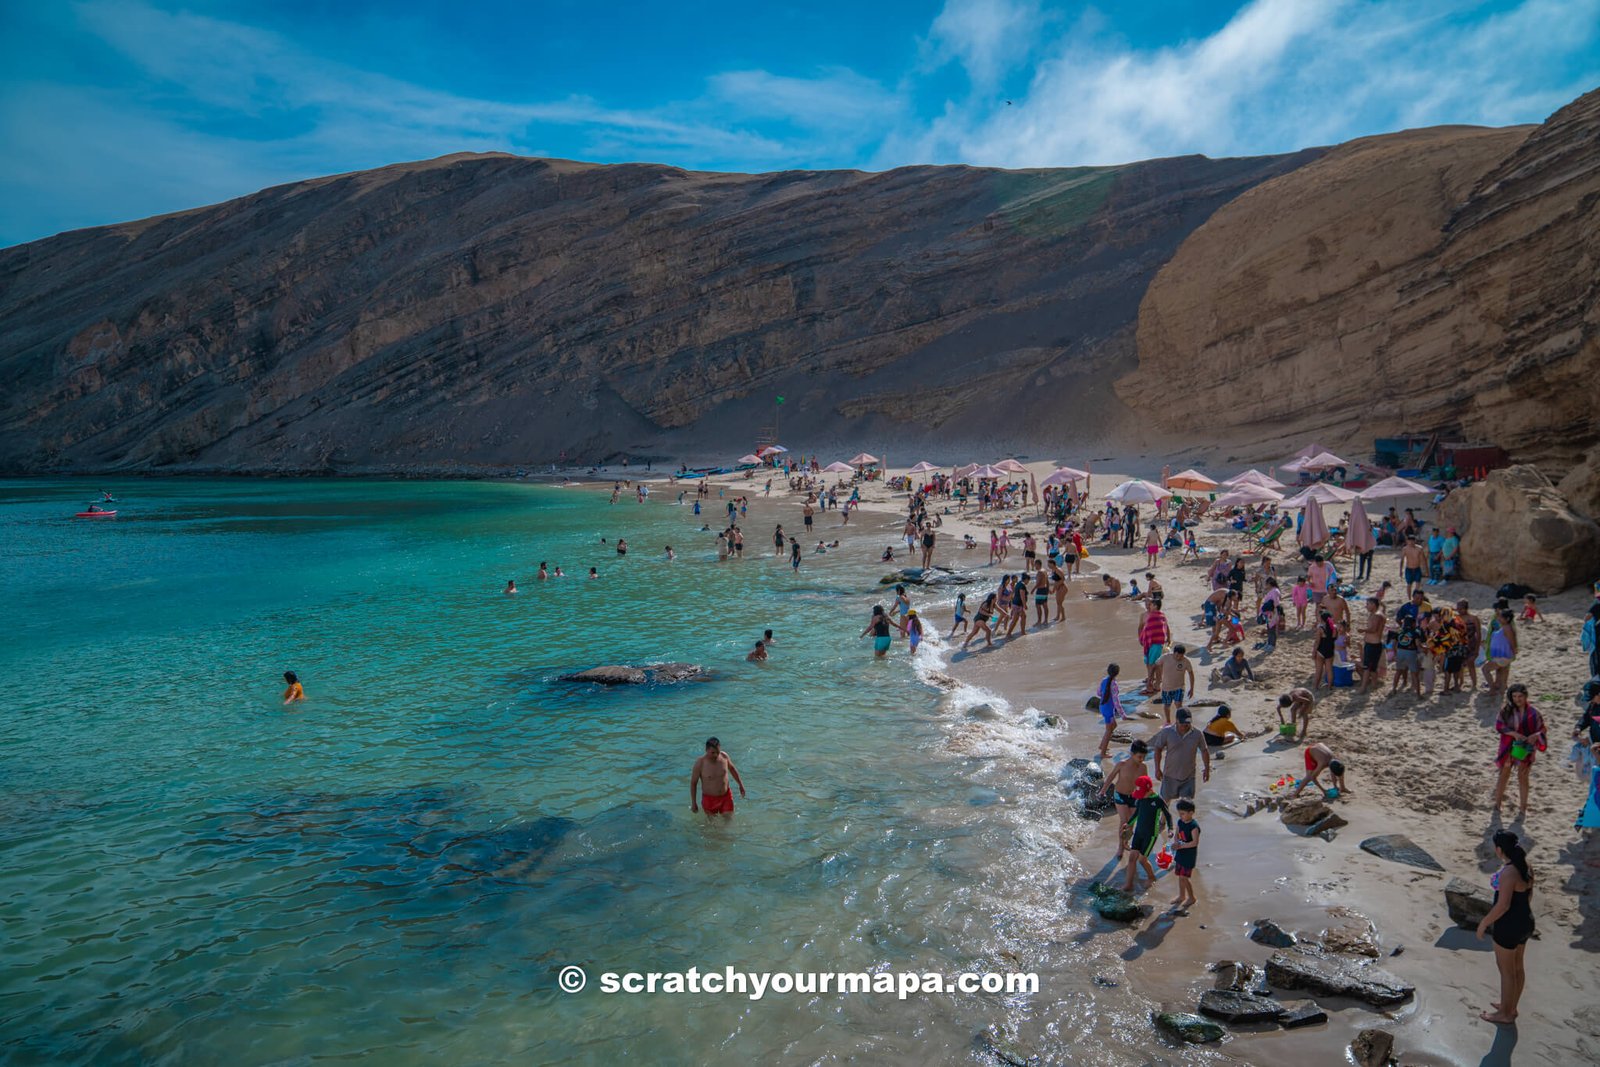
(1344, 675)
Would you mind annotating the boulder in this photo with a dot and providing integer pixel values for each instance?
(1239, 977)
(1400, 849)
(1297, 1013)
(1304, 811)
(1118, 905)
(1083, 779)
(1515, 527)
(1358, 938)
(1232, 1006)
(674, 672)
(1187, 1027)
(1581, 487)
(1361, 981)
(986, 712)
(930, 576)
(1333, 821)
(1272, 935)
(608, 676)
(1373, 1048)
(1467, 901)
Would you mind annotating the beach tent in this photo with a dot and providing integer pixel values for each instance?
(1137, 491)
(1012, 465)
(1254, 477)
(864, 460)
(1395, 487)
(1314, 530)
(1320, 493)
(987, 471)
(1359, 537)
(749, 459)
(1192, 480)
(1064, 476)
(838, 468)
(1247, 494)
(923, 468)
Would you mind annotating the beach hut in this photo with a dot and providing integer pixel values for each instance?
(1138, 491)
(1253, 477)
(1314, 530)
(1247, 494)
(1392, 487)
(1320, 493)
(1191, 480)
(839, 468)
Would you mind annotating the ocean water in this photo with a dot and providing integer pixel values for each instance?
(398, 868)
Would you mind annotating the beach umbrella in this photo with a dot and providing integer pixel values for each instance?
(772, 448)
(1322, 461)
(923, 468)
(1395, 487)
(1254, 477)
(1305, 453)
(838, 468)
(1314, 530)
(1320, 493)
(987, 471)
(1247, 494)
(1012, 465)
(1192, 480)
(1137, 491)
(862, 460)
(1064, 476)
(749, 459)
(1359, 537)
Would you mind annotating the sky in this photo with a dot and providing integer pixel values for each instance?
(119, 109)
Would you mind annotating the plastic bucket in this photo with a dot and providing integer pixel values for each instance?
(1520, 751)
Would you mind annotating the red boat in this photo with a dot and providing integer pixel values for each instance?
(96, 515)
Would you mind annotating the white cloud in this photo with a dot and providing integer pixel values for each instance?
(989, 38)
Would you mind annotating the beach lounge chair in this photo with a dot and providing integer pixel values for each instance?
(1251, 532)
(1263, 545)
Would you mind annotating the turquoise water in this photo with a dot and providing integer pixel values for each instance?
(398, 868)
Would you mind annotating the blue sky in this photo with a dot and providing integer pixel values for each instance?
(118, 109)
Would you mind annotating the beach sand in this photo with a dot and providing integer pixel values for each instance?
(1420, 767)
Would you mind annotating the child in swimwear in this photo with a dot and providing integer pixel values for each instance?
(912, 628)
(1275, 623)
(1301, 595)
(1150, 818)
(1341, 644)
(1186, 855)
(961, 614)
(295, 693)
(1530, 609)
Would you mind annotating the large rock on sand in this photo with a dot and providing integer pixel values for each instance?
(1398, 848)
(1515, 527)
(1468, 902)
(1338, 978)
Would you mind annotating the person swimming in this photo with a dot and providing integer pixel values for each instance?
(593, 573)
(511, 587)
(295, 693)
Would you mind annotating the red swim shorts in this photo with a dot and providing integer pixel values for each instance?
(1311, 764)
(717, 805)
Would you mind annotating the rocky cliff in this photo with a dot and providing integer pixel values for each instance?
(1443, 279)
(491, 309)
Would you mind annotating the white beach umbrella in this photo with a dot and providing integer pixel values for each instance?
(1359, 537)
(1305, 453)
(1254, 477)
(838, 468)
(986, 471)
(1247, 494)
(750, 459)
(1064, 476)
(923, 468)
(1322, 461)
(1314, 530)
(1192, 480)
(965, 470)
(772, 448)
(1138, 491)
(1320, 493)
(1396, 486)
(1012, 465)
(862, 460)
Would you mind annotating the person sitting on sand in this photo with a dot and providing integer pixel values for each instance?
(295, 693)
(1221, 729)
(758, 654)
(888, 554)
(1237, 668)
(1319, 757)
(1294, 709)
(1111, 591)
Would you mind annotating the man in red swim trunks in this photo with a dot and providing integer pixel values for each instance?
(711, 776)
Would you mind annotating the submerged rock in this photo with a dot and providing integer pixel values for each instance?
(1083, 779)
(1115, 904)
(1187, 1027)
(1297, 1013)
(664, 673)
(1338, 978)
(1239, 978)
(1400, 849)
(1269, 933)
(1468, 902)
(1004, 1051)
(929, 576)
(1232, 1006)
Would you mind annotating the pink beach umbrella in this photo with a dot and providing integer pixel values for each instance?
(863, 460)
(1065, 476)
(1254, 477)
(838, 468)
(923, 468)
(1247, 494)
(1012, 465)
(1314, 531)
(1390, 487)
(1320, 493)
(987, 471)
(750, 459)
(1359, 536)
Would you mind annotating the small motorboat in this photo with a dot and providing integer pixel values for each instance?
(96, 513)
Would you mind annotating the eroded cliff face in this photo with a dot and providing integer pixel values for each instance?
(1444, 279)
(500, 310)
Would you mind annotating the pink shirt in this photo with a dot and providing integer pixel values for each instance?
(1301, 595)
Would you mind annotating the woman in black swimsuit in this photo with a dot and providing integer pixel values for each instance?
(1510, 922)
(1322, 656)
(980, 623)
